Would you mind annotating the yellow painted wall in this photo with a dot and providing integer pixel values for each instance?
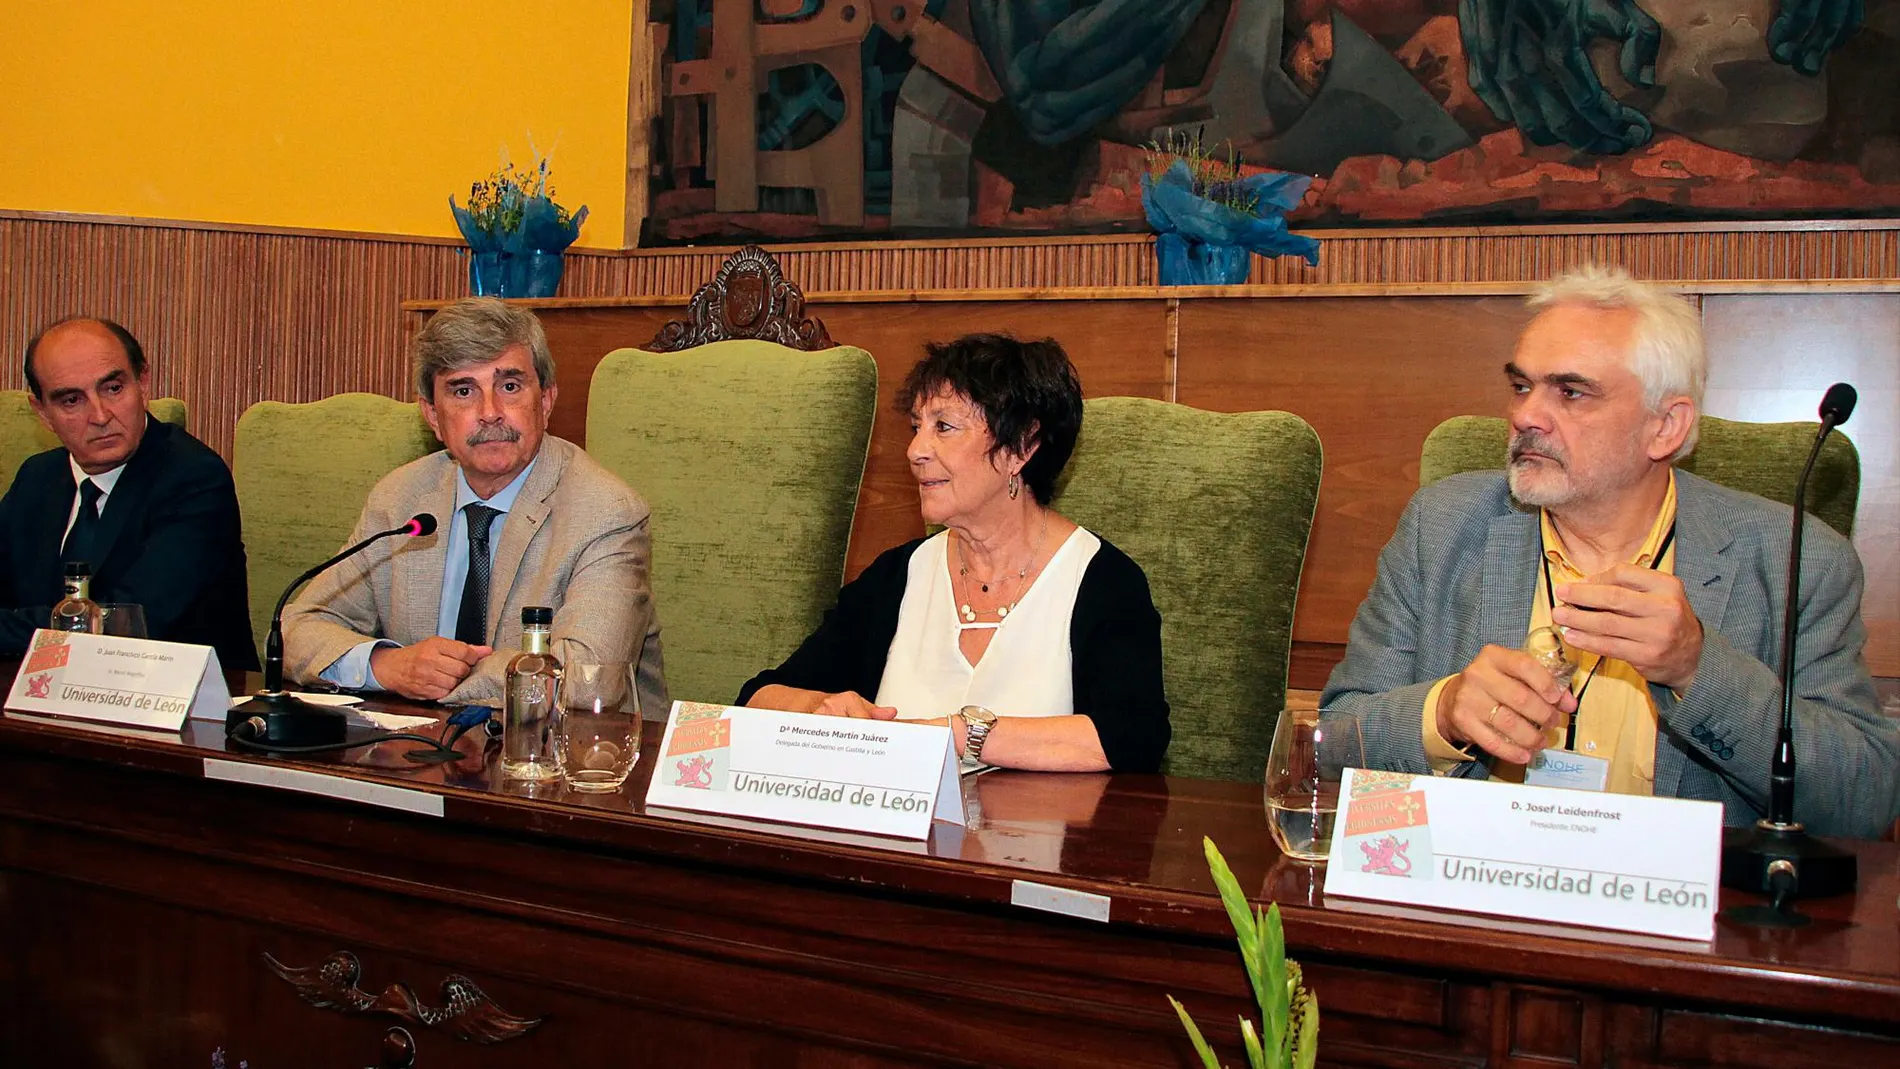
(345, 115)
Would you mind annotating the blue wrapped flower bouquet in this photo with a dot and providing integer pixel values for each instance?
(1210, 218)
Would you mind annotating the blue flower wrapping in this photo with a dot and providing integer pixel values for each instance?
(479, 240)
(542, 230)
(1173, 208)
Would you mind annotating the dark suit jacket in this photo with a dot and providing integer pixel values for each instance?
(1460, 573)
(171, 539)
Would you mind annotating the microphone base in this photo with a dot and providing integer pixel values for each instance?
(1783, 862)
(289, 721)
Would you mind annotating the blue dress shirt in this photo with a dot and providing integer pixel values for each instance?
(351, 671)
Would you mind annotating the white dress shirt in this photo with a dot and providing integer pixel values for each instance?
(105, 481)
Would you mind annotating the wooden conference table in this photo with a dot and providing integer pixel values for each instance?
(140, 895)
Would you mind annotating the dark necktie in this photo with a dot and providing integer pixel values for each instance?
(85, 525)
(471, 623)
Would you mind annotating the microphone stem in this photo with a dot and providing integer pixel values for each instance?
(1781, 771)
(274, 642)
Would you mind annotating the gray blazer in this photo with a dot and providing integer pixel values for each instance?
(1460, 574)
(576, 540)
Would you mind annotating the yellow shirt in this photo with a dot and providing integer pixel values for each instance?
(1617, 719)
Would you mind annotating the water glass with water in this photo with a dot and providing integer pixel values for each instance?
(1311, 751)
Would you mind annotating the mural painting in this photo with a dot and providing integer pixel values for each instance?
(790, 119)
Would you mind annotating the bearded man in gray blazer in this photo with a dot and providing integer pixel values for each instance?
(525, 519)
(1667, 589)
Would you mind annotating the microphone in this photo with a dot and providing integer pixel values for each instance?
(1777, 857)
(1837, 406)
(288, 720)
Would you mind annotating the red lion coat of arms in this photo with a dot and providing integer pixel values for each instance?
(694, 772)
(1386, 857)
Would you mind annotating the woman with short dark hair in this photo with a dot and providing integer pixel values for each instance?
(1034, 640)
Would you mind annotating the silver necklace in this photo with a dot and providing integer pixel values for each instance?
(1002, 611)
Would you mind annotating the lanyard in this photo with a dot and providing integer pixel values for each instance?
(1550, 601)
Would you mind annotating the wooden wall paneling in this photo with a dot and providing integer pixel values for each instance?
(1336, 363)
(1500, 254)
(1771, 359)
(1347, 257)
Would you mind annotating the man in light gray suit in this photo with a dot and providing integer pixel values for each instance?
(526, 519)
(1668, 591)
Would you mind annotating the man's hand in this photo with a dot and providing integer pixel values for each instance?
(1637, 615)
(852, 704)
(1805, 31)
(428, 670)
(1529, 61)
(1504, 702)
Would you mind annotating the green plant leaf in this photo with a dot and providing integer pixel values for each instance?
(1256, 1054)
(1194, 1035)
(1306, 1046)
(1271, 987)
(1235, 901)
(1289, 1013)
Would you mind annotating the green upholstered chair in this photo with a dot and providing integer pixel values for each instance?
(22, 434)
(1761, 458)
(750, 455)
(303, 473)
(1216, 508)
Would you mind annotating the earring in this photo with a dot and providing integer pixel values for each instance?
(1015, 486)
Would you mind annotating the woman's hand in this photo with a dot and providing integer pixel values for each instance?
(847, 703)
(850, 703)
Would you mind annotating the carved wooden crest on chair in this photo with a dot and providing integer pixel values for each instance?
(749, 298)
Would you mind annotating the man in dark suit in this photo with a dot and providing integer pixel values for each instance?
(149, 507)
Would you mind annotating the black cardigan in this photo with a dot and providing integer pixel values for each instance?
(1114, 642)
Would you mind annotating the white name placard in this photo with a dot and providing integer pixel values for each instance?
(885, 777)
(132, 681)
(1623, 862)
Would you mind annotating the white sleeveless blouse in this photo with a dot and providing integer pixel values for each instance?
(1025, 671)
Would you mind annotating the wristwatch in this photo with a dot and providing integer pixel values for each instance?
(977, 722)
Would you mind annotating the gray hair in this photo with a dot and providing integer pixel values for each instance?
(1667, 356)
(475, 330)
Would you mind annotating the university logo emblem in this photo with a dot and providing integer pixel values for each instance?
(1386, 856)
(44, 638)
(694, 772)
(45, 658)
(38, 686)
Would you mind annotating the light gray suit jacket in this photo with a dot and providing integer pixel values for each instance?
(576, 541)
(1460, 574)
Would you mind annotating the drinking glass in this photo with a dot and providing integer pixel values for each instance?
(1546, 644)
(122, 618)
(598, 737)
(1311, 751)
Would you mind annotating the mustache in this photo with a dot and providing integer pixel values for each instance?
(1533, 442)
(498, 432)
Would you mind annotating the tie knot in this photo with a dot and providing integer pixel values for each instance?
(480, 516)
(89, 493)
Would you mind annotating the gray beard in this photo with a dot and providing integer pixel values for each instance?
(1538, 497)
